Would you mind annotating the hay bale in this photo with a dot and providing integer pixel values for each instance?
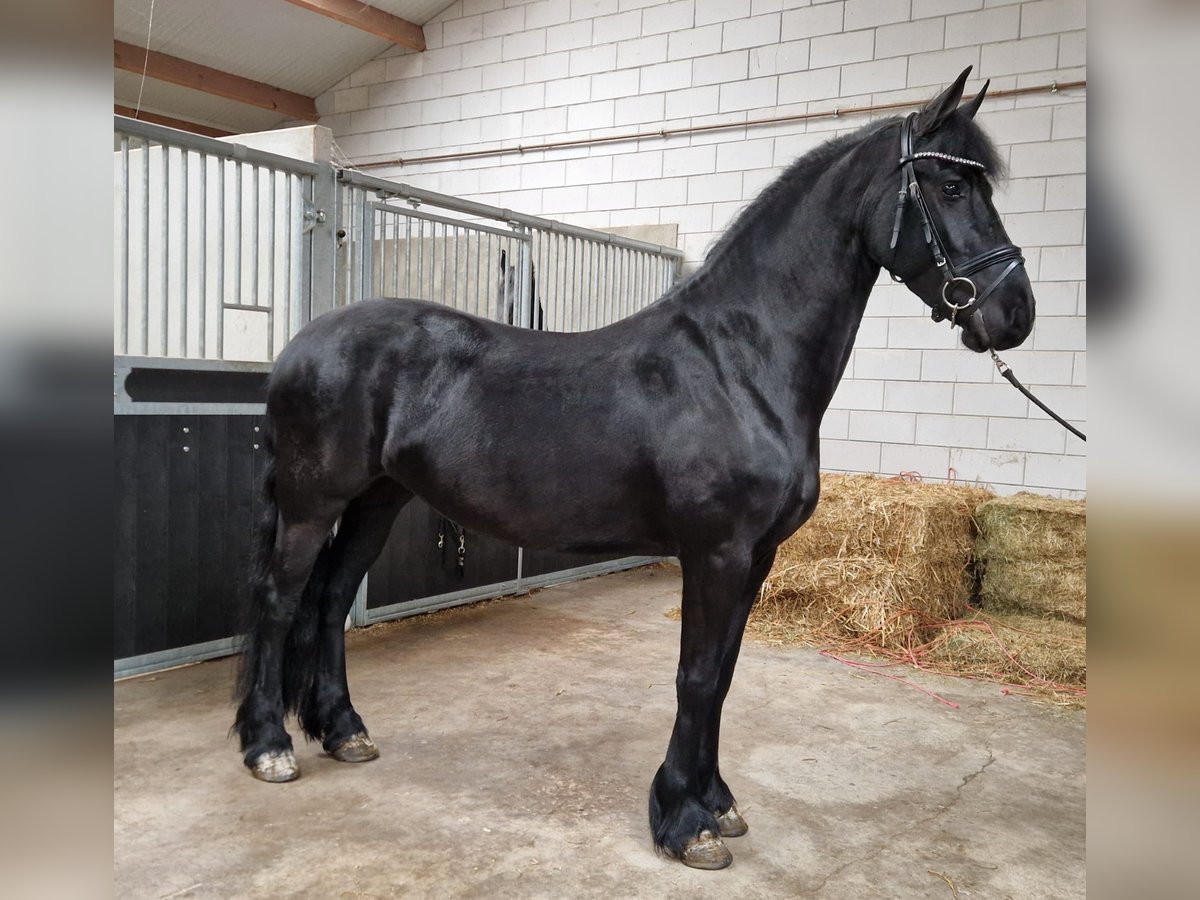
(1037, 587)
(1032, 553)
(857, 597)
(1018, 649)
(881, 561)
(869, 516)
(1032, 526)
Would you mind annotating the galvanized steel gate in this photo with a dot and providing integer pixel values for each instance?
(222, 254)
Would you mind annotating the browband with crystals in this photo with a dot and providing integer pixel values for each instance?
(933, 154)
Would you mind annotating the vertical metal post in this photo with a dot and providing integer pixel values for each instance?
(272, 317)
(240, 230)
(524, 307)
(455, 290)
(124, 236)
(320, 288)
(220, 306)
(408, 256)
(366, 242)
(184, 237)
(202, 252)
(255, 227)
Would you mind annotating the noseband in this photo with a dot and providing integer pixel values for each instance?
(954, 277)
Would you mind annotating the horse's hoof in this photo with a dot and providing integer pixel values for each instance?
(358, 748)
(732, 824)
(276, 766)
(706, 852)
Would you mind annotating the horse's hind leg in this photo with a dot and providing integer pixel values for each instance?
(279, 655)
(326, 713)
(682, 823)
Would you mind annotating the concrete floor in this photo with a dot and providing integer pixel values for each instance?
(519, 740)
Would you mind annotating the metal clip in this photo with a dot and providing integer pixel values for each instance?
(1001, 366)
(312, 217)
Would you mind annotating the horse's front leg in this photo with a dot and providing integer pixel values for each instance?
(683, 824)
(717, 796)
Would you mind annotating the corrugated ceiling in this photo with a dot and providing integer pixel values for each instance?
(270, 41)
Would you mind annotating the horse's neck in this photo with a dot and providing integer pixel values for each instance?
(797, 267)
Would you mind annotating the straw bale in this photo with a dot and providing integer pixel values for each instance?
(1031, 526)
(881, 560)
(1039, 587)
(1018, 649)
(865, 515)
(1032, 553)
(859, 597)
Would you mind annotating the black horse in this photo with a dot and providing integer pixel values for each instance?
(689, 429)
(508, 291)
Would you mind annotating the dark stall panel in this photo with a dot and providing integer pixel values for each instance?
(543, 562)
(185, 507)
(412, 567)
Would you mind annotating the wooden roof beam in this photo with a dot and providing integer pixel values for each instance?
(162, 67)
(368, 18)
(169, 121)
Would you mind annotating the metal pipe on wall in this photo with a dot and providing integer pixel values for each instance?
(836, 112)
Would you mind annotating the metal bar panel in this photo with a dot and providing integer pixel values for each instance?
(211, 146)
(387, 188)
(433, 217)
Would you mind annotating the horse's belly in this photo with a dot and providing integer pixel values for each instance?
(541, 503)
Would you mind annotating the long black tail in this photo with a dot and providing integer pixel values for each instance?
(301, 645)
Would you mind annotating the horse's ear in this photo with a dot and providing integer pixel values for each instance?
(938, 109)
(503, 265)
(972, 106)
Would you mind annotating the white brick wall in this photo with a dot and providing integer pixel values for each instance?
(502, 72)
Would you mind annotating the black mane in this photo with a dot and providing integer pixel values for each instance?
(958, 135)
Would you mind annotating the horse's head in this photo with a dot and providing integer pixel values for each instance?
(934, 226)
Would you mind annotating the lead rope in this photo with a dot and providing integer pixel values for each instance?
(1011, 377)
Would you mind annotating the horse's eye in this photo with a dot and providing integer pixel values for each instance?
(952, 190)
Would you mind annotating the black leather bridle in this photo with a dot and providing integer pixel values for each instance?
(955, 277)
(959, 275)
